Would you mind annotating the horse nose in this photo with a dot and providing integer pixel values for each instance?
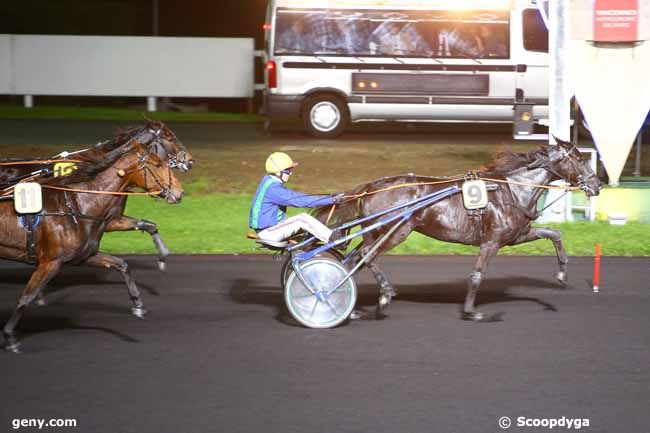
(176, 197)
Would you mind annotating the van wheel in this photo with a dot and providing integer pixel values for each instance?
(325, 116)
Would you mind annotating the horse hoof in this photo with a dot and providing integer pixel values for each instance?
(473, 316)
(562, 278)
(162, 266)
(139, 312)
(12, 345)
(355, 315)
(40, 302)
(483, 318)
(384, 301)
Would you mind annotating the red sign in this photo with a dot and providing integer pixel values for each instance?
(616, 20)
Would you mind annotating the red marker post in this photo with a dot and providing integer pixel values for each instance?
(597, 268)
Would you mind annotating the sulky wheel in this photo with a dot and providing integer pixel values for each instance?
(325, 308)
(286, 266)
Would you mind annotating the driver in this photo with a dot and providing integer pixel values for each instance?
(268, 210)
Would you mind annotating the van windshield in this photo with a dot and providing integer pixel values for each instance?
(453, 34)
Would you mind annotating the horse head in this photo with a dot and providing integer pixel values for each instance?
(566, 162)
(148, 171)
(168, 147)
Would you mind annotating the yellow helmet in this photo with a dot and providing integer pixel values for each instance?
(278, 161)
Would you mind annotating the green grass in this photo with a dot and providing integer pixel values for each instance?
(119, 114)
(217, 224)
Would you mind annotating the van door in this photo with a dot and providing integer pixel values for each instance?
(531, 45)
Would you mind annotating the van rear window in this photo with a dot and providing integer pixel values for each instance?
(535, 31)
(453, 34)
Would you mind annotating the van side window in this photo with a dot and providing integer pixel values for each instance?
(535, 31)
(404, 33)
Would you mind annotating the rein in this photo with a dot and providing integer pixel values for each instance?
(566, 189)
(88, 191)
(40, 161)
(143, 167)
(456, 179)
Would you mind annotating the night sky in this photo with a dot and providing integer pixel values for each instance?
(224, 18)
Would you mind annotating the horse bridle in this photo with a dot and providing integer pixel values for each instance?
(564, 154)
(177, 160)
(144, 163)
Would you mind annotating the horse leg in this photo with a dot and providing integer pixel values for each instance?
(39, 299)
(386, 289)
(41, 276)
(554, 236)
(101, 260)
(125, 223)
(469, 311)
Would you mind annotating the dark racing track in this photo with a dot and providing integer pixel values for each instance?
(218, 353)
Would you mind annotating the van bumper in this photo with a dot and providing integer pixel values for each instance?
(282, 105)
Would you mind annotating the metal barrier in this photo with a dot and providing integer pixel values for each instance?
(147, 67)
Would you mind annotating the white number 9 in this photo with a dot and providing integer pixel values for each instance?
(475, 194)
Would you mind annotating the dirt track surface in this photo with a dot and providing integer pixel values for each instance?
(217, 353)
(230, 157)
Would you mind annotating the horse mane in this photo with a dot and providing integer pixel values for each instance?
(506, 161)
(121, 136)
(88, 171)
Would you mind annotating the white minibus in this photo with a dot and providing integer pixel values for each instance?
(333, 62)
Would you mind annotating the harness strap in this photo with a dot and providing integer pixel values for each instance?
(527, 212)
(69, 206)
(73, 215)
(31, 240)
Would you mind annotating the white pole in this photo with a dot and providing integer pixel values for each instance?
(151, 103)
(28, 101)
(560, 89)
(592, 200)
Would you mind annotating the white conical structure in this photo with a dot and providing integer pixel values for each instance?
(613, 90)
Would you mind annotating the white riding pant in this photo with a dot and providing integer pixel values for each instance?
(293, 225)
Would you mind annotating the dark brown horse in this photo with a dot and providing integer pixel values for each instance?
(505, 221)
(154, 135)
(70, 226)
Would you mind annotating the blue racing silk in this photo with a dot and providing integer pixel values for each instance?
(272, 198)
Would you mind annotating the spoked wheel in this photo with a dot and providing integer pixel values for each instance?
(324, 307)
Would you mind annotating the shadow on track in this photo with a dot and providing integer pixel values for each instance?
(71, 279)
(41, 324)
(244, 291)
